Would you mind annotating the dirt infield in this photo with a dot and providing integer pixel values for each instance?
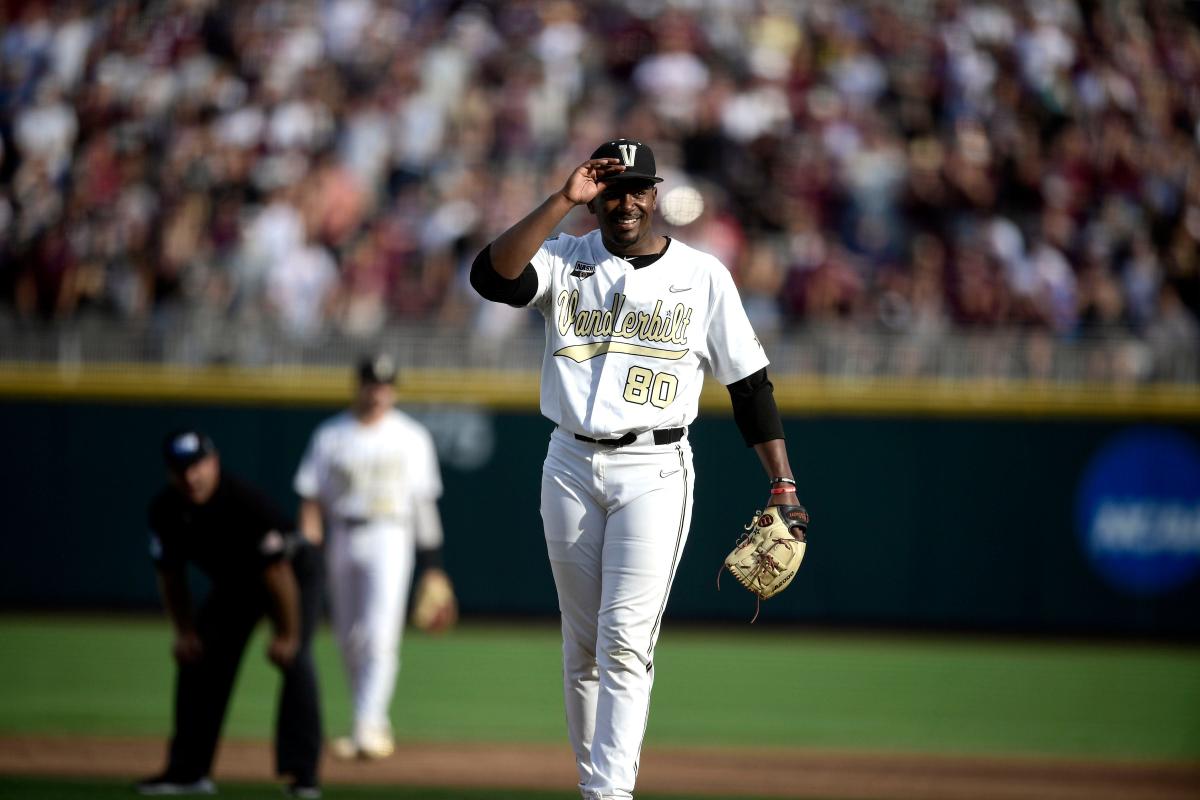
(692, 771)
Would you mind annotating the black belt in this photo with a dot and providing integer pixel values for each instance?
(358, 522)
(661, 436)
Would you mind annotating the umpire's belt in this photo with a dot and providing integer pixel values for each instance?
(661, 436)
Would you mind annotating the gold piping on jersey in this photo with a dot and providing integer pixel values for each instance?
(648, 327)
(582, 352)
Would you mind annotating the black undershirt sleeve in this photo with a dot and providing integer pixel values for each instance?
(429, 558)
(493, 286)
(754, 408)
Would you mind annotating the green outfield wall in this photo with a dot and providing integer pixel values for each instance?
(984, 516)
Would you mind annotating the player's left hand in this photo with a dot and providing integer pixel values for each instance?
(787, 499)
(282, 650)
(768, 554)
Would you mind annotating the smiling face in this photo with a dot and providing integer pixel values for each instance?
(625, 212)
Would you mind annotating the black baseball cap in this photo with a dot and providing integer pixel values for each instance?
(377, 368)
(185, 447)
(637, 157)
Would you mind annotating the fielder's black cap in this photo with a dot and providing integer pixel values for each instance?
(637, 157)
(377, 368)
(185, 447)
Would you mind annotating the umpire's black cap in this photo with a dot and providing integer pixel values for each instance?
(186, 446)
(377, 368)
(637, 157)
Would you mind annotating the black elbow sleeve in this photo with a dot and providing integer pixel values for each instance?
(493, 286)
(754, 409)
(430, 558)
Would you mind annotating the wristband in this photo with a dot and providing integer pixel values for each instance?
(783, 490)
(783, 480)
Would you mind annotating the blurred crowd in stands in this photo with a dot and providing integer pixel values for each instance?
(918, 168)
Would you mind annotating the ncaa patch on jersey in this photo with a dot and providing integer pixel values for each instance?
(583, 270)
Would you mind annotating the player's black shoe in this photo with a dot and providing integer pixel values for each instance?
(166, 784)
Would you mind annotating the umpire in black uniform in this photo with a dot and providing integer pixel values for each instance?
(257, 566)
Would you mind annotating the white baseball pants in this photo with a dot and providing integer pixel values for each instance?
(370, 570)
(616, 521)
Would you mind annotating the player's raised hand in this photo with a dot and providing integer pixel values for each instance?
(587, 180)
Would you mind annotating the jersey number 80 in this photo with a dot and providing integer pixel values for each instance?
(642, 384)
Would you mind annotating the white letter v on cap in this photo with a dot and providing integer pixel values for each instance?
(628, 153)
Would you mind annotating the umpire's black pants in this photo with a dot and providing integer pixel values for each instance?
(202, 689)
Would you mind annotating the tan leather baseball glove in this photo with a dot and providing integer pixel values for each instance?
(435, 608)
(770, 551)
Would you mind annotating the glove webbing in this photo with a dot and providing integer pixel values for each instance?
(757, 596)
(749, 531)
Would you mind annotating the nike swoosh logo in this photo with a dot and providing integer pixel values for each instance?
(663, 474)
(676, 291)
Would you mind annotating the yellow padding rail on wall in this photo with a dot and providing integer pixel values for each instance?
(511, 390)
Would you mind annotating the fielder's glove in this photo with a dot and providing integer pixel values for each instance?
(770, 551)
(435, 608)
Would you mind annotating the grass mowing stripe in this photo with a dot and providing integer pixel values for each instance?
(718, 687)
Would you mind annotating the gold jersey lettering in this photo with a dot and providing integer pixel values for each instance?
(629, 327)
(656, 323)
(583, 326)
(683, 317)
(608, 320)
(567, 303)
(614, 321)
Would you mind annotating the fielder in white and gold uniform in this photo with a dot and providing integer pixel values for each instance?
(633, 319)
(369, 484)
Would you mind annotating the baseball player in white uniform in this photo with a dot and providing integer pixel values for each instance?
(369, 484)
(632, 319)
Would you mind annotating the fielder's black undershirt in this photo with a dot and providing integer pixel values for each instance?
(638, 262)
(429, 558)
(493, 286)
(754, 408)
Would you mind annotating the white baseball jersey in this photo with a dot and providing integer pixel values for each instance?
(376, 471)
(625, 347)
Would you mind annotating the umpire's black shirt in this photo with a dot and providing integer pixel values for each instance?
(231, 538)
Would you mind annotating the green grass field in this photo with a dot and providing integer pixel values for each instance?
(947, 695)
